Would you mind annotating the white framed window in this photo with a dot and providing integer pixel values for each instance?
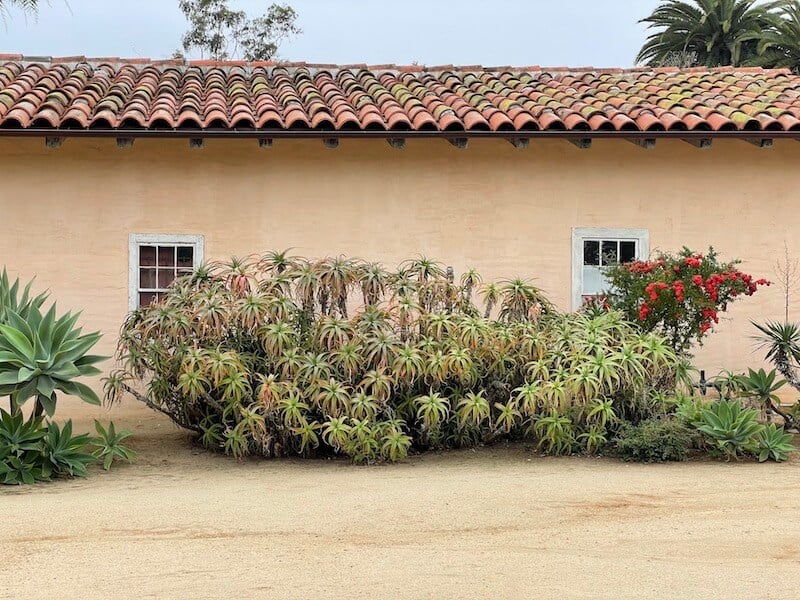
(156, 260)
(594, 248)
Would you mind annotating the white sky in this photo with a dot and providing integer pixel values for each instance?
(600, 33)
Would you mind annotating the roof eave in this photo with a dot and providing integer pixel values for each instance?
(393, 134)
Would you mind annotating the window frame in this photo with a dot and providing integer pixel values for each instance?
(581, 234)
(136, 240)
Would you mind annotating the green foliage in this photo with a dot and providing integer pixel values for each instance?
(774, 443)
(65, 452)
(779, 44)
(109, 445)
(654, 440)
(555, 433)
(221, 33)
(21, 456)
(32, 450)
(711, 33)
(16, 299)
(679, 296)
(782, 341)
(42, 354)
(284, 356)
(762, 386)
(731, 428)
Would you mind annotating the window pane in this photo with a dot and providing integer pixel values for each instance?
(184, 272)
(609, 252)
(166, 256)
(147, 298)
(147, 279)
(147, 256)
(591, 252)
(627, 252)
(165, 278)
(593, 281)
(186, 257)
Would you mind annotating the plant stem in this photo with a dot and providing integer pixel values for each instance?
(144, 399)
(788, 421)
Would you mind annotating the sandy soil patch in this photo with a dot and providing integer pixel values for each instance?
(493, 523)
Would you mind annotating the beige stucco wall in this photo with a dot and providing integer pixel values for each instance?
(66, 213)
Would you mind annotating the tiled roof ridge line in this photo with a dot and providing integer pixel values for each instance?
(177, 63)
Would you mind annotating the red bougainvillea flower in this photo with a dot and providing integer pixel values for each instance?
(680, 294)
(693, 262)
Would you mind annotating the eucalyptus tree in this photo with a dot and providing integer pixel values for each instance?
(218, 32)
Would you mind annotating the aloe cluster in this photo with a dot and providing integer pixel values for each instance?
(279, 355)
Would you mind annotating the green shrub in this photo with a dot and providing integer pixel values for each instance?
(22, 458)
(654, 440)
(280, 356)
(32, 450)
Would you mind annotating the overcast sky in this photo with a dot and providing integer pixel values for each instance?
(600, 33)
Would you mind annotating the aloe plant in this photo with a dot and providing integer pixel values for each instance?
(260, 356)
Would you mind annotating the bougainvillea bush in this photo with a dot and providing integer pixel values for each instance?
(679, 295)
(280, 355)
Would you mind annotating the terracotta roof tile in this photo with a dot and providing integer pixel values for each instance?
(109, 92)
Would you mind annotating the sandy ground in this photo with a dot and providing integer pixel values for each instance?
(493, 523)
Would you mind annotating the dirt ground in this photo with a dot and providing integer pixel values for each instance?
(492, 523)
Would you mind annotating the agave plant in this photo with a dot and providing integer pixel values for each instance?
(730, 427)
(42, 354)
(774, 443)
(16, 299)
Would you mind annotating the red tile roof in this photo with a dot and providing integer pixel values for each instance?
(139, 94)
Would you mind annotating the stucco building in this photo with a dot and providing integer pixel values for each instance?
(117, 175)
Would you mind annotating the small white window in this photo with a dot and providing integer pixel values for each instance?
(593, 249)
(156, 260)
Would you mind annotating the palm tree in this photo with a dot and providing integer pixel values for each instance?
(779, 46)
(25, 5)
(711, 33)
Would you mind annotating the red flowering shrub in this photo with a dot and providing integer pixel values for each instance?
(680, 296)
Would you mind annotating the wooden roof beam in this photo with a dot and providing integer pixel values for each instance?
(646, 143)
(702, 143)
(460, 143)
(581, 143)
(519, 142)
(760, 142)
